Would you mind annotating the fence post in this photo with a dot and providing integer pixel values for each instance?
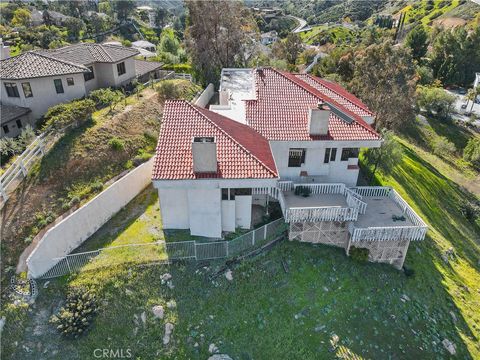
(253, 237)
(226, 245)
(22, 168)
(265, 232)
(3, 192)
(195, 249)
(68, 264)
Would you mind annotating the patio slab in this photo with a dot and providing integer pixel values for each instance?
(379, 213)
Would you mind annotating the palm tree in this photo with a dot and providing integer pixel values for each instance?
(471, 96)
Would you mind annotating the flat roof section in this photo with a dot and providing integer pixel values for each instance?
(379, 213)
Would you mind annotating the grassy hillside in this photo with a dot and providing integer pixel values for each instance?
(296, 301)
(78, 167)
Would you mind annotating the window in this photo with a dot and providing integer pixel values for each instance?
(333, 155)
(348, 153)
(326, 159)
(27, 89)
(19, 123)
(6, 130)
(70, 82)
(12, 90)
(121, 68)
(296, 157)
(90, 75)
(58, 86)
(229, 194)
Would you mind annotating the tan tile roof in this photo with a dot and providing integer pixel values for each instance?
(34, 64)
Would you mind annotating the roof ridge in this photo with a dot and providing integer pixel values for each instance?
(230, 136)
(305, 86)
(44, 55)
(326, 84)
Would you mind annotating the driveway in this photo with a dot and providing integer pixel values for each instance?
(460, 99)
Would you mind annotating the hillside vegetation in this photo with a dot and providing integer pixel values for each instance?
(79, 166)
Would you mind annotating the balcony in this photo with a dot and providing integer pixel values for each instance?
(326, 202)
(387, 217)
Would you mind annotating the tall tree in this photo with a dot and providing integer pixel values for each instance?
(384, 78)
(160, 17)
(124, 8)
(417, 40)
(21, 17)
(74, 27)
(215, 36)
(289, 49)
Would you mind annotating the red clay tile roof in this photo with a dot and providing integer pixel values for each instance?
(242, 153)
(280, 110)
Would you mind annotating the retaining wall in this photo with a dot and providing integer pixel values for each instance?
(72, 231)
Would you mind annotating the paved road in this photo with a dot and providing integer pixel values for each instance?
(459, 112)
(301, 23)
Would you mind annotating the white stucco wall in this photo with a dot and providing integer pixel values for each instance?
(174, 208)
(205, 212)
(228, 215)
(72, 231)
(243, 211)
(335, 171)
(129, 74)
(44, 93)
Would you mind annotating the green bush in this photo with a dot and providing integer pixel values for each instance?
(116, 144)
(179, 68)
(359, 254)
(97, 186)
(442, 147)
(76, 113)
(76, 316)
(471, 152)
(106, 97)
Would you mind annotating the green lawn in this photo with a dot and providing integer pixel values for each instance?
(269, 313)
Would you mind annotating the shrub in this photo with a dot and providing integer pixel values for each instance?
(469, 210)
(116, 144)
(471, 152)
(434, 100)
(106, 97)
(74, 200)
(73, 113)
(141, 158)
(76, 316)
(167, 90)
(409, 272)
(442, 147)
(96, 186)
(359, 254)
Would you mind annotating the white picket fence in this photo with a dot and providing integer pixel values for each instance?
(165, 252)
(13, 176)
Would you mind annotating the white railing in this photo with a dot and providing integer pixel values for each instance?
(355, 202)
(325, 213)
(21, 166)
(407, 210)
(324, 188)
(389, 233)
(372, 191)
(183, 76)
(164, 252)
(285, 185)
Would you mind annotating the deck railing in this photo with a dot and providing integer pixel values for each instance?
(325, 213)
(371, 191)
(389, 233)
(324, 188)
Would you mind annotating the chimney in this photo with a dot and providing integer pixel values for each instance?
(204, 152)
(318, 119)
(4, 51)
(224, 97)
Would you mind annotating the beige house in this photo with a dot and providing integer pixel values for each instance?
(38, 80)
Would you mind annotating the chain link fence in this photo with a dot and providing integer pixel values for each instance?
(165, 252)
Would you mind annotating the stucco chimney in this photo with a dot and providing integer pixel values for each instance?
(224, 97)
(204, 152)
(4, 51)
(318, 119)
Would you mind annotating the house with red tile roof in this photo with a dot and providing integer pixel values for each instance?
(279, 139)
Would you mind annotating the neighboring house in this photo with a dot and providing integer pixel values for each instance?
(40, 79)
(13, 119)
(147, 70)
(36, 17)
(269, 37)
(37, 82)
(55, 18)
(272, 135)
(146, 45)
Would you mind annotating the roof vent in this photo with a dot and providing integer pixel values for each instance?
(204, 153)
(318, 119)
